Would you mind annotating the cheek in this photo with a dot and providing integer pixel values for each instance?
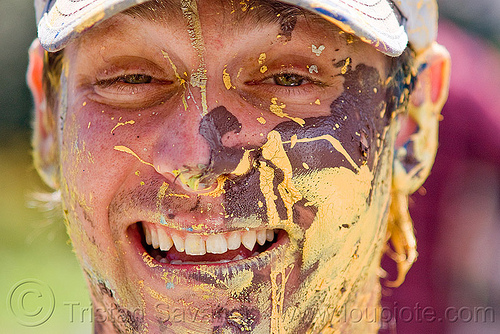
(341, 198)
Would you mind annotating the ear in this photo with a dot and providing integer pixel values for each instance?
(44, 124)
(417, 141)
(416, 146)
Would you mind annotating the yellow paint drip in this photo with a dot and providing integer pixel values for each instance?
(346, 65)
(277, 109)
(129, 151)
(279, 279)
(199, 77)
(181, 81)
(335, 143)
(244, 165)
(273, 151)
(261, 120)
(226, 78)
(121, 124)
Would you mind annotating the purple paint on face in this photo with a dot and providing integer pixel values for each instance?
(358, 118)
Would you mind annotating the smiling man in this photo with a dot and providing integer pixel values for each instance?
(236, 166)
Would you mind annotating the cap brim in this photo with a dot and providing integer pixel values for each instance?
(374, 21)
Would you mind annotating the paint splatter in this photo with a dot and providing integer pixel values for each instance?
(317, 50)
(277, 109)
(129, 151)
(121, 124)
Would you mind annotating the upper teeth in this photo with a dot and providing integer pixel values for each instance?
(194, 244)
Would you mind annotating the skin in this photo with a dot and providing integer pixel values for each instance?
(231, 151)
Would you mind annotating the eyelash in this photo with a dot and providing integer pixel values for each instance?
(310, 85)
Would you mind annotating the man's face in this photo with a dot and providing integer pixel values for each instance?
(256, 151)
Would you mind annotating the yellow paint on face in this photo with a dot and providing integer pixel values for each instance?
(129, 151)
(293, 141)
(335, 143)
(277, 109)
(261, 120)
(244, 165)
(346, 66)
(199, 77)
(226, 79)
(262, 58)
(273, 151)
(121, 124)
(181, 81)
(279, 279)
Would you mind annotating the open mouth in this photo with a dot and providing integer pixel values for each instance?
(183, 248)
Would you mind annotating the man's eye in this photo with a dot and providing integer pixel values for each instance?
(288, 79)
(136, 79)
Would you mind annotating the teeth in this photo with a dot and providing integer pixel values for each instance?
(216, 244)
(248, 239)
(165, 241)
(269, 235)
(261, 237)
(154, 238)
(147, 234)
(178, 242)
(234, 240)
(195, 245)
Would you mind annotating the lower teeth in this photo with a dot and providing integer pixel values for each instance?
(238, 257)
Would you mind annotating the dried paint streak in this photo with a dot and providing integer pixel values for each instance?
(129, 151)
(335, 143)
(121, 124)
(227, 79)
(273, 151)
(293, 141)
(244, 165)
(277, 109)
(278, 284)
(198, 78)
(346, 66)
(182, 82)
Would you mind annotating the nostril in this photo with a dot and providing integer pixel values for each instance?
(199, 181)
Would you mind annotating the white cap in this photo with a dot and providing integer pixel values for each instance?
(388, 25)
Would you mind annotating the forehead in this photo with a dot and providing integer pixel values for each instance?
(240, 16)
(234, 23)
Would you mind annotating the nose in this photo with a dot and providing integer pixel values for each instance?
(180, 152)
(190, 147)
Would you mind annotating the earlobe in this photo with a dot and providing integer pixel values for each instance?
(44, 124)
(417, 141)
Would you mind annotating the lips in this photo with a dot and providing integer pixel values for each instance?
(175, 247)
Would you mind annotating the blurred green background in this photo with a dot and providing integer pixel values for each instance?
(34, 245)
